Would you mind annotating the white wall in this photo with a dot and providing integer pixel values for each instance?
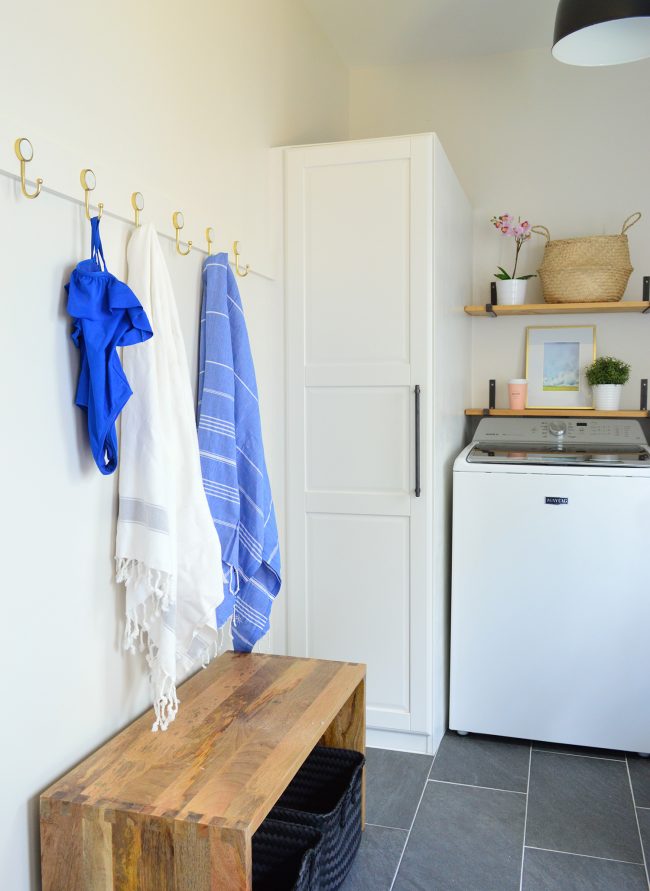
(562, 146)
(97, 87)
(179, 102)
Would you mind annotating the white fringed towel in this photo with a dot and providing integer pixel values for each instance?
(167, 550)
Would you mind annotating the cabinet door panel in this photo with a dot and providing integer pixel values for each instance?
(358, 439)
(357, 338)
(358, 604)
(357, 262)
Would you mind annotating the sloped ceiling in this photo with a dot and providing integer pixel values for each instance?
(398, 32)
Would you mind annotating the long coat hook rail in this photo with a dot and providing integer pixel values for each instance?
(25, 153)
(241, 271)
(137, 203)
(179, 221)
(88, 183)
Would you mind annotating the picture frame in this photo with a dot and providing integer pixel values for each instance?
(556, 358)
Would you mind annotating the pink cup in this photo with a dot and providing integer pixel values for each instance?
(517, 392)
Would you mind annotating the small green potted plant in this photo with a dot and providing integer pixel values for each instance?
(606, 377)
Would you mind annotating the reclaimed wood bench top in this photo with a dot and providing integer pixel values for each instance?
(245, 725)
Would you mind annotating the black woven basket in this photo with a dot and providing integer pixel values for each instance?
(286, 857)
(326, 794)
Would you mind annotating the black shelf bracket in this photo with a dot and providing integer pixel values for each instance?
(493, 301)
(493, 394)
(643, 406)
(646, 293)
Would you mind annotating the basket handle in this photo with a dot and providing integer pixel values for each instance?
(542, 230)
(631, 220)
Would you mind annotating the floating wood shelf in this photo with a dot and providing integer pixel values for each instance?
(553, 413)
(545, 309)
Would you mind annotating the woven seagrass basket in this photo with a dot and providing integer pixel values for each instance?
(595, 269)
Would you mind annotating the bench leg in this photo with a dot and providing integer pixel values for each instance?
(110, 850)
(231, 860)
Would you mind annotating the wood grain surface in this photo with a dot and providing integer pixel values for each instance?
(176, 811)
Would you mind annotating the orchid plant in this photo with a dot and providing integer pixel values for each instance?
(521, 232)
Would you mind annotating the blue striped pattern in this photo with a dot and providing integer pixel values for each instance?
(235, 478)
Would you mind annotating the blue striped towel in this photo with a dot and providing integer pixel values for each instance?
(235, 478)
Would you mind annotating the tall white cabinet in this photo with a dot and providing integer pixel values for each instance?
(378, 268)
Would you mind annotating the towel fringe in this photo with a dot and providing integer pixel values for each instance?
(234, 583)
(215, 648)
(136, 631)
(166, 705)
(232, 578)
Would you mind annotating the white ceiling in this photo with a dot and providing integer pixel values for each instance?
(397, 32)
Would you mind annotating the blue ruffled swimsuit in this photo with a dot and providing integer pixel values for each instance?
(106, 315)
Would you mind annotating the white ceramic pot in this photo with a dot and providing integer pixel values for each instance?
(511, 291)
(607, 397)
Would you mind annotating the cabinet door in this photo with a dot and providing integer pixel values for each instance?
(358, 215)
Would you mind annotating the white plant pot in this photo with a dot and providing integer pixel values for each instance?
(607, 397)
(511, 291)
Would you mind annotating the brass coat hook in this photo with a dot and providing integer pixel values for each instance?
(25, 153)
(240, 271)
(88, 183)
(137, 203)
(179, 221)
(209, 235)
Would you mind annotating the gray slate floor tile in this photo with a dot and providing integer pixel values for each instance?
(483, 761)
(464, 839)
(375, 864)
(640, 776)
(547, 871)
(582, 806)
(394, 783)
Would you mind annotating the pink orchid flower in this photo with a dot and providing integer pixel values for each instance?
(521, 232)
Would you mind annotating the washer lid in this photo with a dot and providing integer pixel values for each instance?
(568, 454)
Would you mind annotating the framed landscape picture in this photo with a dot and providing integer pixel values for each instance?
(556, 357)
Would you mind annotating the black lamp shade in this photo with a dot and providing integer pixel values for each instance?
(602, 32)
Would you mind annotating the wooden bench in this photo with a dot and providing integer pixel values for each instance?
(176, 811)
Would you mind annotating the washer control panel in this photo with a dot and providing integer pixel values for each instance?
(561, 430)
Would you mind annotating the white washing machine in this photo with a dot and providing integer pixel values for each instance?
(550, 627)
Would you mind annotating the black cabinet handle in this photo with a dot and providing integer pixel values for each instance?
(417, 441)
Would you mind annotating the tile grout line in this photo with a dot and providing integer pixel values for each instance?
(588, 856)
(523, 846)
(641, 807)
(474, 786)
(424, 786)
(579, 755)
(638, 825)
(381, 826)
